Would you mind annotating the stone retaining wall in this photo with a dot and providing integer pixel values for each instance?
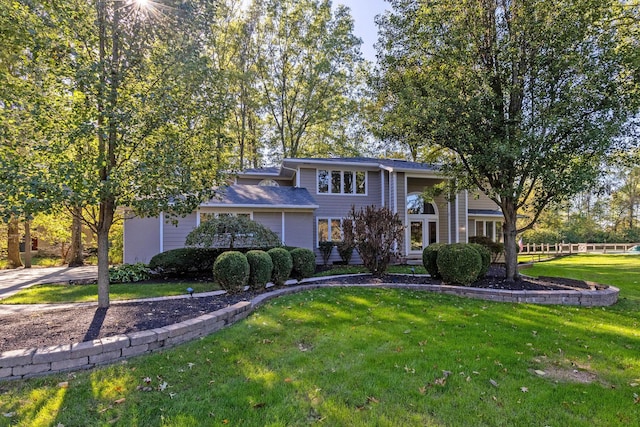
(27, 363)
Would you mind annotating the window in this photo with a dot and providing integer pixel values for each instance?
(205, 216)
(416, 205)
(329, 229)
(268, 183)
(342, 182)
(490, 229)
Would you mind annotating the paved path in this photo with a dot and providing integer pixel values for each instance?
(11, 281)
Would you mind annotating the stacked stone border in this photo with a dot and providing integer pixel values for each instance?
(16, 364)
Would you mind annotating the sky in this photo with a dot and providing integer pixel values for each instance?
(363, 13)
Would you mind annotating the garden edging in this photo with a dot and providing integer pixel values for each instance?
(25, 363)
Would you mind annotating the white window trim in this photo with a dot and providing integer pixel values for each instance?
(484, 222)
(342, 193)
(329, 219)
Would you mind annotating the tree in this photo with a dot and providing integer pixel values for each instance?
(528, 95)
(306, 69)
(376, 234)
(138, 93)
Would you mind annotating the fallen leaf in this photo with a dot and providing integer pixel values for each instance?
(524, 389)
(147, 380)
(440, 381)
(64, 384)
(225, 421)
(408, 331)
(163, 386)
(191, 365)
(446, 373)
(9, 414)
(539, 372)
(493, 382)
(120, 401)
(171, 395)
(636, 398)
(422, 390)
(288, 380)
(633, 384)
(372, 399)
(259, 405)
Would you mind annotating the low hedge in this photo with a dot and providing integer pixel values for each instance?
(185, 261)
(231, 271)
(282, 265)
(260, 268)
(304, 263)
(459, 263)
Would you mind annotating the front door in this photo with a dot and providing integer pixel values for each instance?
(422, 232)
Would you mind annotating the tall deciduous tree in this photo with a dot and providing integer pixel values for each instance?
(528, 95)
(307, 68)
(139, 134)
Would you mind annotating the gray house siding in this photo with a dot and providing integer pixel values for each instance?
(141, 239)
(298, 229)
(271, 220)
(175, 235)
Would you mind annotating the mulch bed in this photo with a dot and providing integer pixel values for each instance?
(78, 324)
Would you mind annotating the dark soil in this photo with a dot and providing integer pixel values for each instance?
(85, 323)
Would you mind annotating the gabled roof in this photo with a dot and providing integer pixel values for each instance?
(389, 164)
(252, 196)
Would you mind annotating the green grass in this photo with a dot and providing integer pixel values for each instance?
(62, 293)
(622, 271)
(356, 356)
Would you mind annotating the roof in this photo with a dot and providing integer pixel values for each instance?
(393, 164)
(485, 212)
(243, 196)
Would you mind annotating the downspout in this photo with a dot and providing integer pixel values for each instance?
(161, 232)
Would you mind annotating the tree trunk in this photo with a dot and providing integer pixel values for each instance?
(13, 243)
(510, 244)
(106, 219)
(27, 244)
(74, 256)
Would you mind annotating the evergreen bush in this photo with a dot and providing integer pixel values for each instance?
(260, 268)
(495, 248)
(429, 259)
(231, 271)
(304, 263)
(185, 261)
(326, 248)
(459, 263)
(485, 255)
(282, 265)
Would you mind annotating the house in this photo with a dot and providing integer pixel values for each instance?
(304, 200)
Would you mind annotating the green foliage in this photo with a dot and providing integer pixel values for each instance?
(260, 268)
(377, 234)
(326, 248)
(459, 264)
(429, 259)
(185, 261)
(495, 248)
(474, 81)
(304, 263)
(126, 273)
(485, 256)
(232, 232)
(282, 265)
(231, 271)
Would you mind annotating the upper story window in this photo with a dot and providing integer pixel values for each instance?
(269, 183)
(342, 182)
(416, 205)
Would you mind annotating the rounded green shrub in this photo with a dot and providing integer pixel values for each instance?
(459, 263)
(429, 259)
(260, 268)
(231, 271)
(282, 265)
(485, 255)
(185, 261)
(304, 263)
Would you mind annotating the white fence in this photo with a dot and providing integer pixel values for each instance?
(574, 248)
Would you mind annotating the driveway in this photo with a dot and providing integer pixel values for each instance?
(11, 281)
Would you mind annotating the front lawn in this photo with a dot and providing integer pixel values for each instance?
(359, 356)
(63, 293)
